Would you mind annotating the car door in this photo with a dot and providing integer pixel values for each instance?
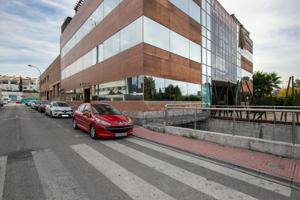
(86, 119)
(79, 116)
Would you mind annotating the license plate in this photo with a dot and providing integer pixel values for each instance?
(65, 115)
(121, 134)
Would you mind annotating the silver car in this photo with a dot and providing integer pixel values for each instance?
(59, 109)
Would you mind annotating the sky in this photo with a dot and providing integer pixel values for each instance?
(30, 31)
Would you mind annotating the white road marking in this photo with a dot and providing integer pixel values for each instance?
(265, 184)
(3, 161)
(135, 187)
(215, 190)
(68, 130)
(57, 182)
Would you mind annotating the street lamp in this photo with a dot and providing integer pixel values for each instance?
(32, 66)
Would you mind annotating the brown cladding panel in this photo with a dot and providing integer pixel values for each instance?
(126, 64)
(53, 73)
(247, 65)
(81, 16)
(170, 67)
(172, 17)
(123, 15)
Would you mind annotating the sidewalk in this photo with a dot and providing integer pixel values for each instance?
(274, 166)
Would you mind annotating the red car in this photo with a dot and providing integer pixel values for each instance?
(102, 120)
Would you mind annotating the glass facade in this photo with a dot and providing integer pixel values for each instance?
(122, 90)
(114, 45)
(160, 36)
(225, 52)
(95, 18)
(220, 53)
(148, 88)
(160, 89)
(141, 30)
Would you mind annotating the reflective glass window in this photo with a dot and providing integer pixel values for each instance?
(182, 5)
(179, 45)
(100, 53)
(109, 5)
(194, 11)
(112, 46)
(195, 52)
(132, 35)
(156, 34)
(159, 89)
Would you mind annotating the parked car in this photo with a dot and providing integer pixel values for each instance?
(18, 102)
(102, 120)
(59, 109)
(5, 100)
(35, 105)
(29, 103)
(42, 107)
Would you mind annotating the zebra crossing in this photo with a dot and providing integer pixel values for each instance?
(58, 183)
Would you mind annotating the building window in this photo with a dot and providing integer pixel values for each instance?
(132, 35)
(179, 45)
(112, 46)
(156, 34)
(109, 5)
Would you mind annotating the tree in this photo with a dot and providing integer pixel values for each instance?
(21, 84)
(149, 88)
(265, 83)
(275, 80)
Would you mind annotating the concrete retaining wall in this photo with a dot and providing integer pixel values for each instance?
(266, 146)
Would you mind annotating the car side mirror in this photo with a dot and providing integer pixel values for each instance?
(87, 114)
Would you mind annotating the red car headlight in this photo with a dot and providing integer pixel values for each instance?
(129, 120)
(102, 122)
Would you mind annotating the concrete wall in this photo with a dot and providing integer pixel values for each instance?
(276, 132)
(266, 146)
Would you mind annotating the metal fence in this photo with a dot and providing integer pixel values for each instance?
(265, 122)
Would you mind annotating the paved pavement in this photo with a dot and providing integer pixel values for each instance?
(43, 158)
(285, 169)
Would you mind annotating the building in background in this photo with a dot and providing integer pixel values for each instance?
(143, 54)
(16, 87)
(50, 81)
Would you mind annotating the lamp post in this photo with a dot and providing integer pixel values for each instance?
(32, 66)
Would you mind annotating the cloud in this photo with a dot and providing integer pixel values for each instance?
(29, 33)
(275, 29)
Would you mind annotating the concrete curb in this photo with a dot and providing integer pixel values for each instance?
(248, 170)
(277, 148)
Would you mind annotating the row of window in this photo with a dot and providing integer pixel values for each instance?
(149, 88)
(142, 29)
(128, 37)
(95, 18)
(247, 54)
(164, 38)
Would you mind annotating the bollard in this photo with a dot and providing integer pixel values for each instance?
(166, 116)
(293, 129)
(195, 119)
(234, 125)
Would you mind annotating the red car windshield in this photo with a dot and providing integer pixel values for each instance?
(105, 110)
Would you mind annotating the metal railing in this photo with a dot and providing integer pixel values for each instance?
(265, 122)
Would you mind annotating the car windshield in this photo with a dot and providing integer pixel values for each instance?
(45, 102)
(105, 110)
(60, 104)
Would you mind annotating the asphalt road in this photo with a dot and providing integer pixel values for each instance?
(44, 158)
